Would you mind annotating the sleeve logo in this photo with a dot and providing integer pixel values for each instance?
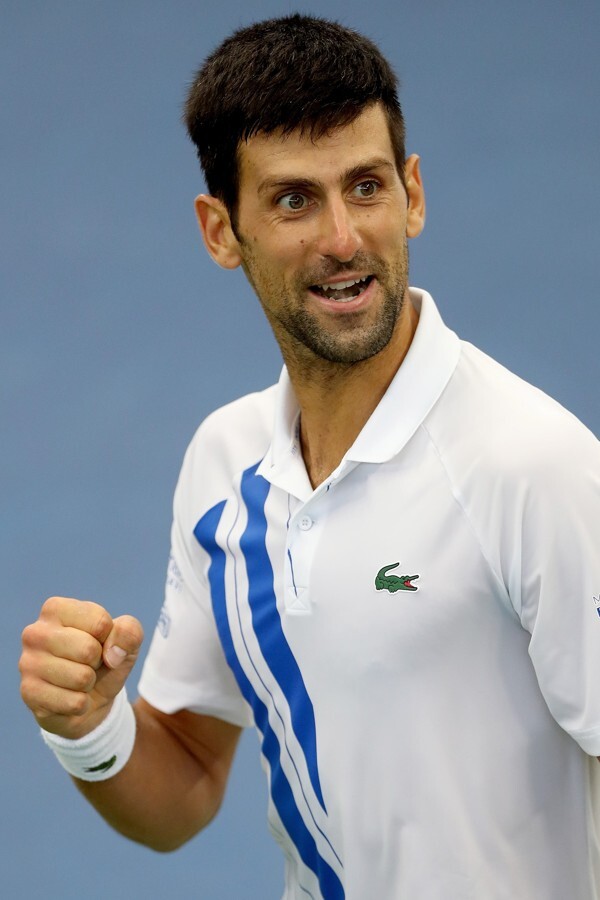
(164, 622)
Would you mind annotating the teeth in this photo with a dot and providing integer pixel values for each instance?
(342, 285)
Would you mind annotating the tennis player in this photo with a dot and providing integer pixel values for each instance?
(388, 563)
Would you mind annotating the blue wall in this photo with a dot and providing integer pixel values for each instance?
(118, 334)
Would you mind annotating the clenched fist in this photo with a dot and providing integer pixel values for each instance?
(75, 660)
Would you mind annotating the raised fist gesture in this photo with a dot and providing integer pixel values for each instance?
(75, 660)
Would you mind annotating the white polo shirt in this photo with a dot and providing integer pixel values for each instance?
(417, 640)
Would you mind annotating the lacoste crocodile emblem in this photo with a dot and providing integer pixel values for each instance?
(393, 583)
(105, 766)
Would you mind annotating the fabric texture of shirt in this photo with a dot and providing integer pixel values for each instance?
(417, 640)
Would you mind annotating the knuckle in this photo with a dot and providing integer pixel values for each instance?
(33, 695)
(23, 663)
(50, 606)
(90, 652)
(26, 671)
(27, 695)
(99, 621)
(29, 664)
(30, 635)
(84, 679)
(76, 703)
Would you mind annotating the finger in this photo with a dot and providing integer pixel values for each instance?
(123, 643)
(47, 701)
(63, 673)
(75, 645)
(80, 614)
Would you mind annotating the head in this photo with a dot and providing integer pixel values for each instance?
(322, 236)
(296, 73)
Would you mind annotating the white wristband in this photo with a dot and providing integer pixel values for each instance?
(105, 750)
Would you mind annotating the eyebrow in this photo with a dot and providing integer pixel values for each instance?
(295, 183)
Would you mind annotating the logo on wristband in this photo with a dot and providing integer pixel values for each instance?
(103, 767)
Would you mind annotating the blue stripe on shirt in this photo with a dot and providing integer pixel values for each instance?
(281, 791)
(267, 623)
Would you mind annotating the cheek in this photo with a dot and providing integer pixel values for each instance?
(276, 261)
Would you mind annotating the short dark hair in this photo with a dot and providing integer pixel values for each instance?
(295, 72)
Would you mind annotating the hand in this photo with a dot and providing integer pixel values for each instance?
(75, 660)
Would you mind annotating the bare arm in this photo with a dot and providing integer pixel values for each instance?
(75, 660)
(174, 782)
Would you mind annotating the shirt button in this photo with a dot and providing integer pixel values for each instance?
(305, 523)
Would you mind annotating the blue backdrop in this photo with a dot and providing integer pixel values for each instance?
(118, 334)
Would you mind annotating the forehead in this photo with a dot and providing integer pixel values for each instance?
(269, 157)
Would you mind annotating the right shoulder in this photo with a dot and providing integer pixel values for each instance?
(240, 429)
(229, 440)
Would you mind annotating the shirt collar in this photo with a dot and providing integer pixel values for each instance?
(417, 385)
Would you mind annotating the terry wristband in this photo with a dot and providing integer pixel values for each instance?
(104, 751)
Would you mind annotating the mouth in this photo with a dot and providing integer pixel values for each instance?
(342, 291)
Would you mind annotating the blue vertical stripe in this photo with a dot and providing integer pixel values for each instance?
(267, 623)
(281, 791)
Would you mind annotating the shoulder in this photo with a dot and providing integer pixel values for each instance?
(249, 419)
(229, 440)
(511, 453)
(525, 471)
(496, 423)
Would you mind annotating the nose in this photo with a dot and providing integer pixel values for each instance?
(339, 236)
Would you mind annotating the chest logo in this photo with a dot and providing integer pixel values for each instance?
(393, 583)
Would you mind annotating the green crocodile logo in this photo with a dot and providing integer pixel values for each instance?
(105, 766)
(393, 583)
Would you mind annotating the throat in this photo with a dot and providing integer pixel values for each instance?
(320, 465)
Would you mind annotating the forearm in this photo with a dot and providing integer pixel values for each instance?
(172, 785)
(75, 662)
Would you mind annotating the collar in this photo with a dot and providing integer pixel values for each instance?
(415, 388)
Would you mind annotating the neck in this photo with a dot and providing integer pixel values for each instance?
(337, 400)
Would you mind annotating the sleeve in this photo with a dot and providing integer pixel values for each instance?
(553, 577)
(185, 667)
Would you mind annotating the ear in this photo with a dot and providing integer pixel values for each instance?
(217, 233)
(415, 219)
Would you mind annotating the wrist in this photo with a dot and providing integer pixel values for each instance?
(103, 752)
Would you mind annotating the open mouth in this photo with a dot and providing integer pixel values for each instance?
(343, 291)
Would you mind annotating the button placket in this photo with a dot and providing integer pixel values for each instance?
(301, 541)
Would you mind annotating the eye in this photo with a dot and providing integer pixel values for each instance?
(293, 202)
(366, 189)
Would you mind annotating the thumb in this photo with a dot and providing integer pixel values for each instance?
(119, 653)
(122, 646)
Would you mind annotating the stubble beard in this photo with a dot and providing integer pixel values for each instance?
(299, 330)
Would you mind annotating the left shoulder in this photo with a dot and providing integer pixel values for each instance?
(508, 427)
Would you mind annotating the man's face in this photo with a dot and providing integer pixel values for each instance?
(322, 228)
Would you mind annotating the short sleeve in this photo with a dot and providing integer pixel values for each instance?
(557, 567)
(185, 667)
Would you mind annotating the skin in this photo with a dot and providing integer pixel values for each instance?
(308, 213)
(75, 660)
(311, 212)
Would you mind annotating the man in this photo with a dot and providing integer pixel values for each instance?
(388, 563)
